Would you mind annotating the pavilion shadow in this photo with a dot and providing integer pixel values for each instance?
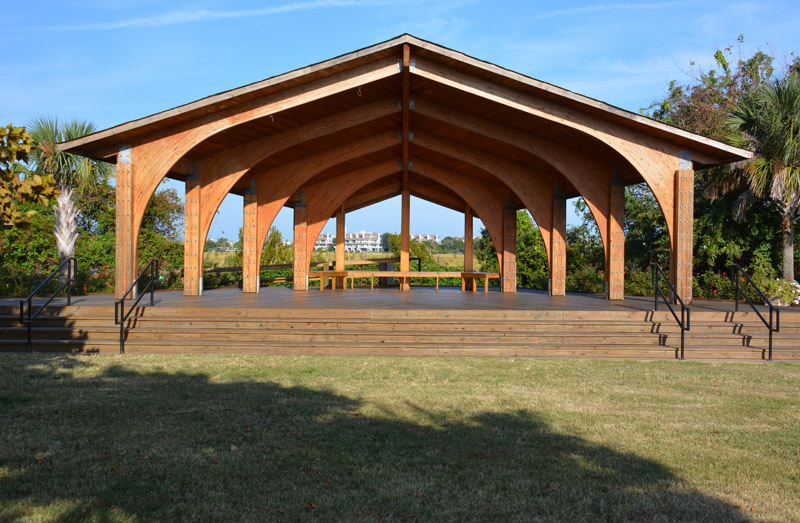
(164, 446)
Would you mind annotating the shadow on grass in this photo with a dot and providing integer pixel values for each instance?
(163, 446)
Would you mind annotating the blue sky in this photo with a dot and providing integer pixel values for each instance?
(118, 60)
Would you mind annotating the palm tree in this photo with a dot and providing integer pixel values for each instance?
(768, 123)
(73, 174)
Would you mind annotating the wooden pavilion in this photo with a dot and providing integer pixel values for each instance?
(404, 117)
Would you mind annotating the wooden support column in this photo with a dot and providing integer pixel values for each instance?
(340, 246)
(300, 272)
(192, 254)
(405, 216)
(251, 257)
(468, 246)
(509, 275)
(405, 236)
(615, 254)
(125, 264)
(681, 259)
(558, 246)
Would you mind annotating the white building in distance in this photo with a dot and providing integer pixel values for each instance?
(362, 241)
(324, 241)
(425, 237)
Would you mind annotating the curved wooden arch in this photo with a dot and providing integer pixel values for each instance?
(452, 180)
(657, 167)
(590, 177)
(167, 147)
(275, 187)
(219, 173)
(534, 190)
(326, 197)
(485, 199)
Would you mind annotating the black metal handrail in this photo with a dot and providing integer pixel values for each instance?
(774, 312)
(685, 321)
(72, 271)
(120, 316)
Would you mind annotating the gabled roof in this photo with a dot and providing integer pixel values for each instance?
(103, 144)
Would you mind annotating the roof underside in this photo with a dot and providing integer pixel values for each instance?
(435, 134)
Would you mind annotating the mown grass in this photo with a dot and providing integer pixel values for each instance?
(143, 438)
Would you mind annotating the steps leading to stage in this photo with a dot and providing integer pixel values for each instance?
(483, 333)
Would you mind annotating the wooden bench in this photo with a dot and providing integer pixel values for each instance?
(475, 276)
(324, 275)
(404, 275)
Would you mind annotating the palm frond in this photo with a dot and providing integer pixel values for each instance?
(69, 170)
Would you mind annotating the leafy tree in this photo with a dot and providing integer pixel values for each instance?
(276, 251)
(767, 122)
(72, 173)
(451, 245)
(532, 268)
(15, 146)
(385, 245)
(702, 106)
(164, 214)
(416, 248)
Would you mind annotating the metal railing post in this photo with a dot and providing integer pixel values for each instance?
(71, 271)
(684, 322)
(120, 317)
(655, 290)
(774, 323)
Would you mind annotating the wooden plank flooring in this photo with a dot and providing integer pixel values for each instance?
(418, 298)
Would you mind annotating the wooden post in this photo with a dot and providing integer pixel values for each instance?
(509, 274)
(615, 253)
(192, 253)
(681, 252)
(340, 247)
(300, 266)
(405, 217)
(558, 246)
(125, 265)
(251, 257)
(405, 238)
(468, 247)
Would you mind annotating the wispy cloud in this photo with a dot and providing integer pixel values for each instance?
(603, 7)
(187, 17)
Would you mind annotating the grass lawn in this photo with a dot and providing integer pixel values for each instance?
(142, 438)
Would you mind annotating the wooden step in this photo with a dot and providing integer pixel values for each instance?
(493, 333)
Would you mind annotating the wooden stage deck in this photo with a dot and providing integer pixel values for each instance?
(418, 298)
(389, 322)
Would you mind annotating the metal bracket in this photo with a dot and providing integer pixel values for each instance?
(191, 172)
(399, 136)
(412, 65)
(400, 64)
(411, 103)
(410, 164)
(686, 161)
(252, 189)
(124, 156)
(410, 136)
(616, 177)
(400, 165)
